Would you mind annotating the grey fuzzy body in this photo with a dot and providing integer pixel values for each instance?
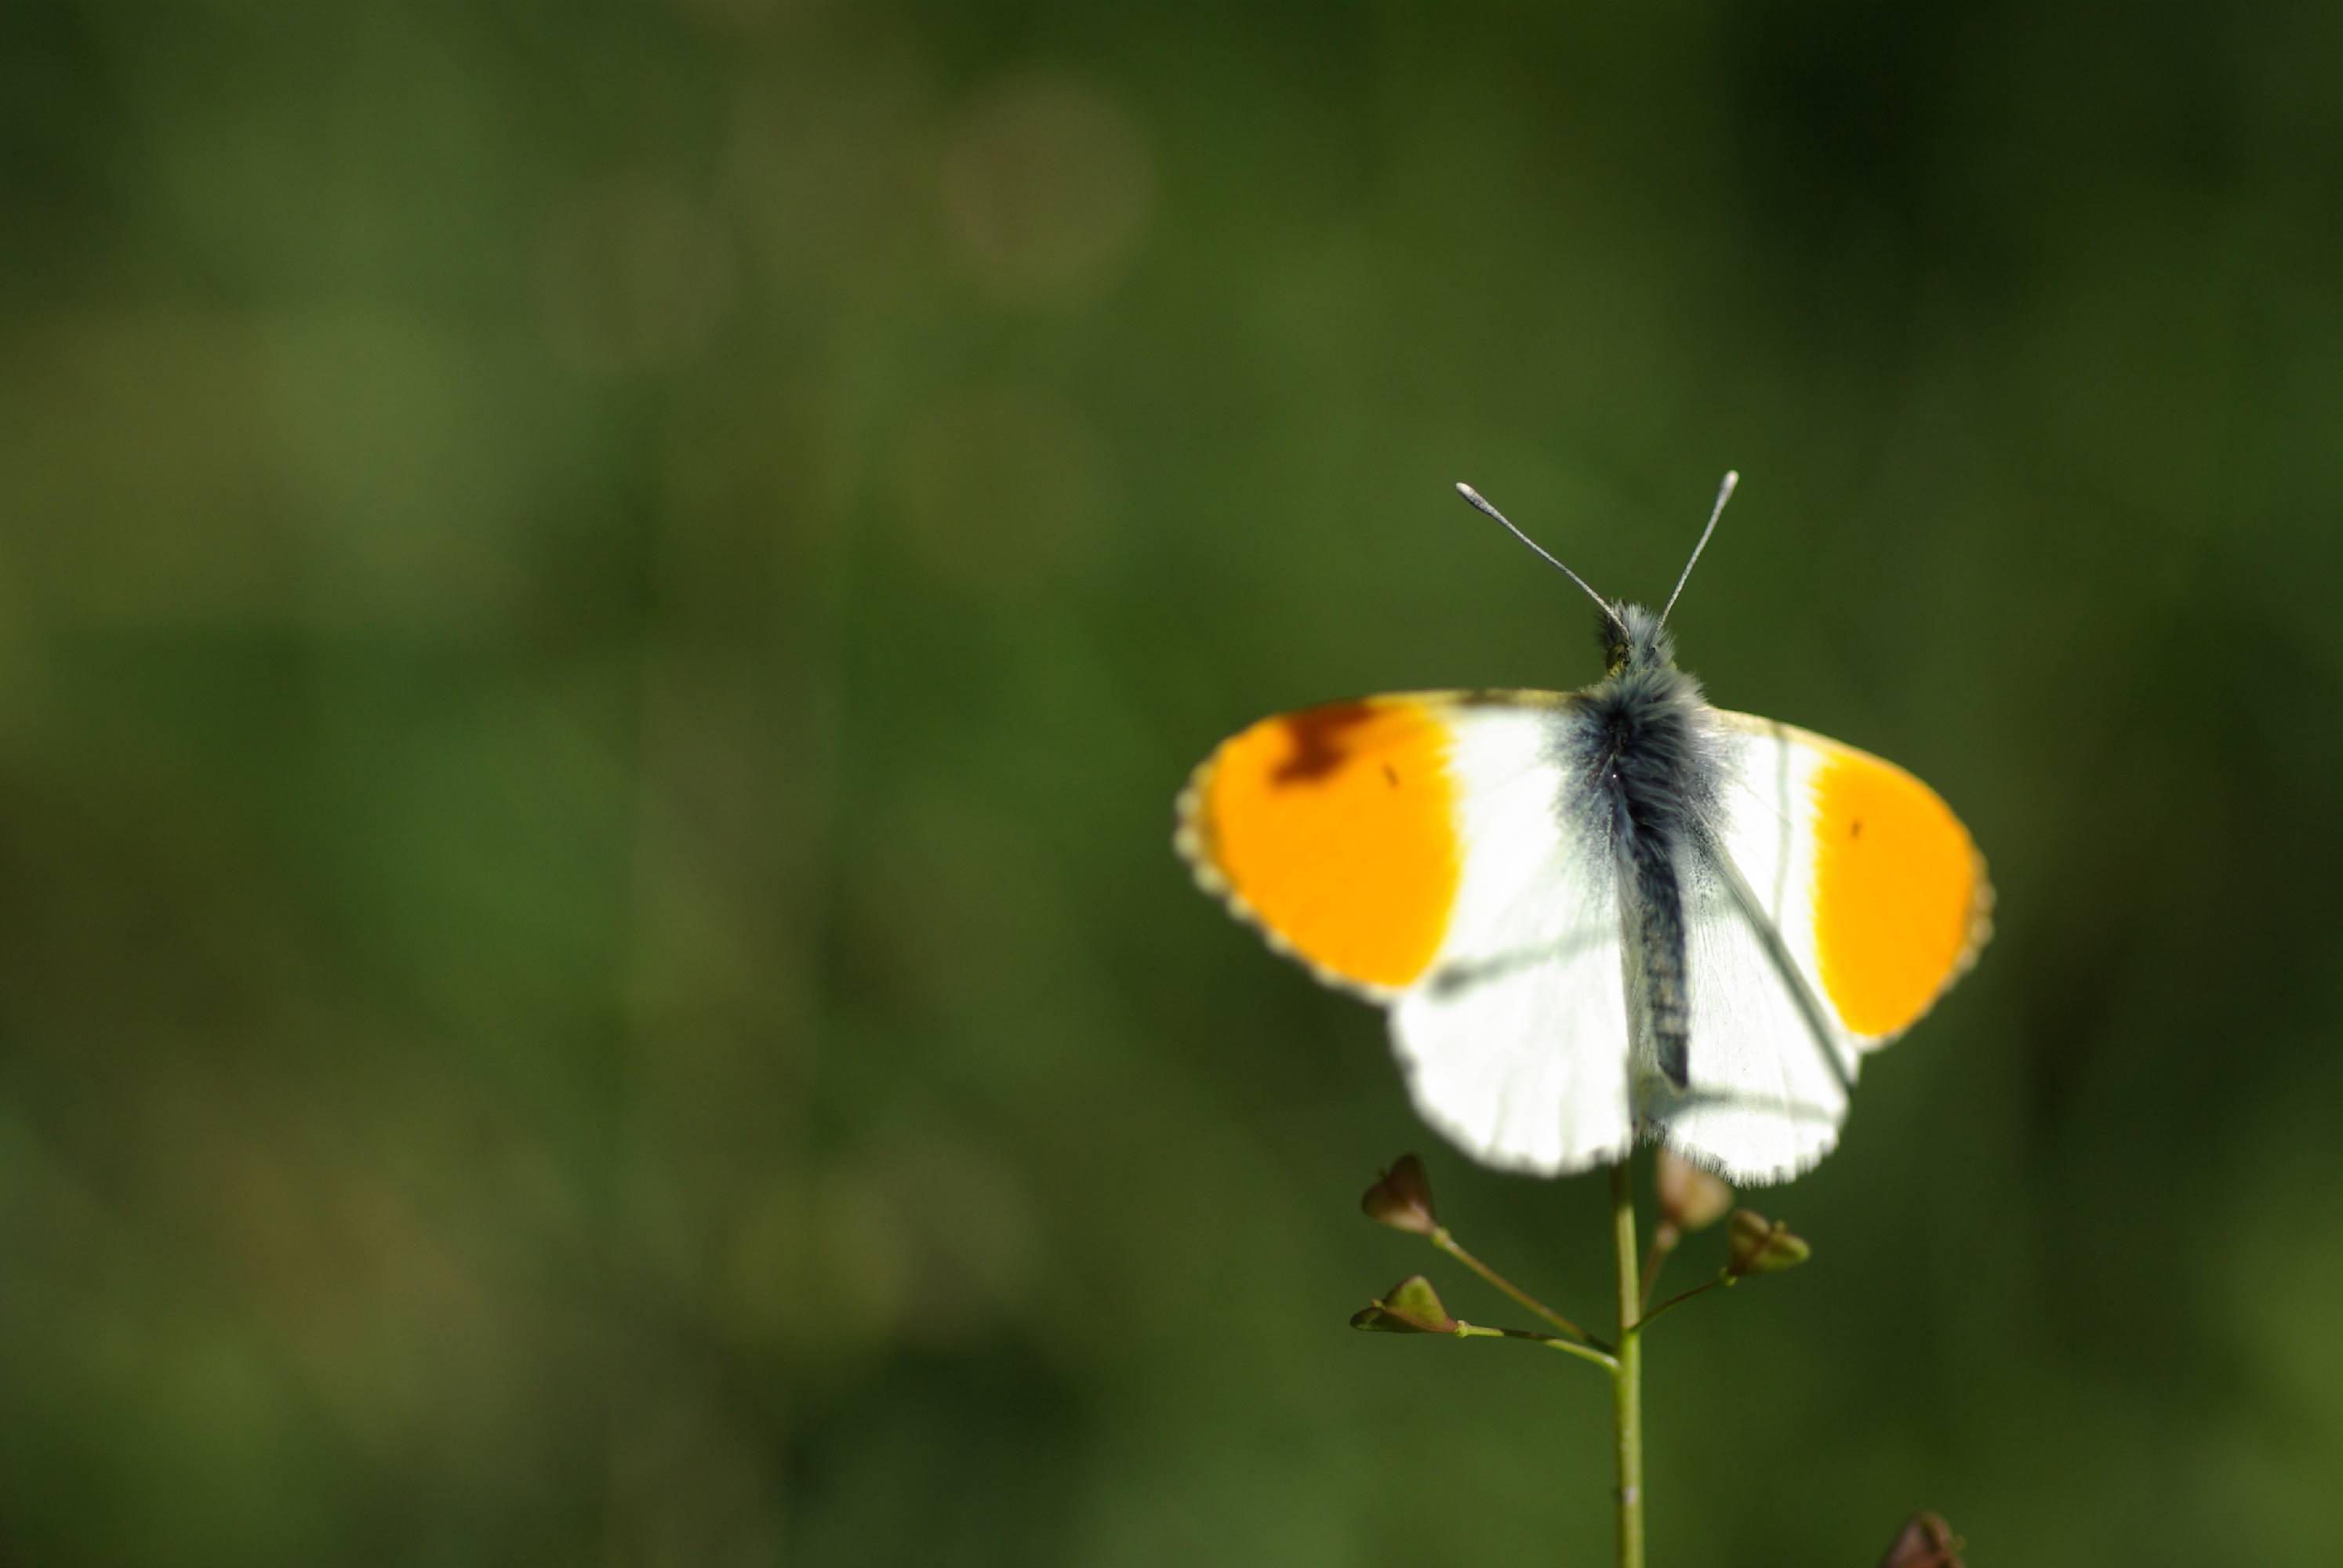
(1645, 777)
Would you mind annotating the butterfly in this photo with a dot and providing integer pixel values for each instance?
(1602, 917)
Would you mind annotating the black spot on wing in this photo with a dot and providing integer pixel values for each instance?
(1317, 736)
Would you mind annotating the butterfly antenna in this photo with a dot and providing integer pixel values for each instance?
(1480, 504)
(1723, 494)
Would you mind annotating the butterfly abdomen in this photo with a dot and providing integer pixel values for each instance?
(1654, 907)
(1644, 741)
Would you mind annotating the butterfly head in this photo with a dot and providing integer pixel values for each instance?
(1634, 638)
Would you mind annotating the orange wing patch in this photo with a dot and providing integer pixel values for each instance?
(1898, 892)
(1335, 829)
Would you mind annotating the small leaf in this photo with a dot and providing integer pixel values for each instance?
(1756, 1245)
(1926, 1542)
(1689, 1198)
(1409, 1307)
(1402, 1199)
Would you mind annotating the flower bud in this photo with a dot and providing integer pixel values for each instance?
(1402, 1199)
(1755, 1245)
(1926, 1542)
(1409, 1307)
(1689, 1198)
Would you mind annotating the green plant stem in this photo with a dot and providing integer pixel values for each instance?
(1627, 1374)
(1683, 1296)
(1447, 1244)
(1464, 1330)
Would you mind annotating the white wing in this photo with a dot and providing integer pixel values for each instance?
(1775, 1043)
(1516, 1042)
(1767, 1072)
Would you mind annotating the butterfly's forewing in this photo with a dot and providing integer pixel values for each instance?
(1419, 851)
(1840, 899)
(1876, 888)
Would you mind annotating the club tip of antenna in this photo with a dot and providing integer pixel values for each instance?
(1732, 478)
(1479, 502)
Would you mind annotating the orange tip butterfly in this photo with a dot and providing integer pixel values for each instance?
(1599, 917)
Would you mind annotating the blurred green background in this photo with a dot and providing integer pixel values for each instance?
(601, 607)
